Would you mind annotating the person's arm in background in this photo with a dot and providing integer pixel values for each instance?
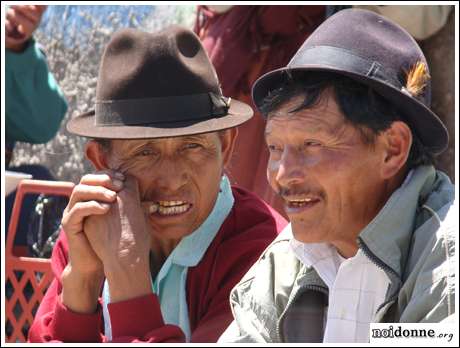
(35, 106)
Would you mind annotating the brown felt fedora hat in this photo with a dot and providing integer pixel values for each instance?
(373, 51)
(154, 85)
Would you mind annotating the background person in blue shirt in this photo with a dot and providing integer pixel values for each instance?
(34, 104)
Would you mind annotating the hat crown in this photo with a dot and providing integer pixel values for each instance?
(157, 85)
(137, 64)
(374, 38)
(372, 51)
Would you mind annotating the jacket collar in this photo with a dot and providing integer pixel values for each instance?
(389, 234)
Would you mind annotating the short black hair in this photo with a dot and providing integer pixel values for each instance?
(364, 108)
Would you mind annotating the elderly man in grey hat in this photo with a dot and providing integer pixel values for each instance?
(372, 223)
(153, 242)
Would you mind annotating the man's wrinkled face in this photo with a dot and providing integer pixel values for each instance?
(323, 169)
(178, 178)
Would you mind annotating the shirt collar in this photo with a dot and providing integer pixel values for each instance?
(191, 248)
(323, 257)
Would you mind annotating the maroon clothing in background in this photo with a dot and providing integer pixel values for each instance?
(245, 233)
(243, 44)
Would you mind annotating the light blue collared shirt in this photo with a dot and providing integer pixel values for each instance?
(170, 283)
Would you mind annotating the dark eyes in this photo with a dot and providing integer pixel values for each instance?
(146, 152)
(306, 144)
(312, 143)
(273, 148)
(190, 146)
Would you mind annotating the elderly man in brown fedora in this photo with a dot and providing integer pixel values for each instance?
(154, 241)
(372, 233)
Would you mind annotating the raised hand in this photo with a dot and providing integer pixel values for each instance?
(21, 22)
(84, 273)
(121, 239)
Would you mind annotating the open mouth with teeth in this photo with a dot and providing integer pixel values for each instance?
(169, 208)
(299, 203)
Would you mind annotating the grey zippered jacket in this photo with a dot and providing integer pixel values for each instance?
(412, 239)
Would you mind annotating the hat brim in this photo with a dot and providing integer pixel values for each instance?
(421, 119)
(84, 125)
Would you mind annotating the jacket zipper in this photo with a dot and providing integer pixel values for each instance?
(374, 259)
(319, 288)
(380, 264)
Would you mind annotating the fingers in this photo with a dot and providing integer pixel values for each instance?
(21, 22)
(92, 196)
(109, 179)
(9, 27)
(72, 220)
(25, 25)
(101, 186)
(83, 193)
(32, 12)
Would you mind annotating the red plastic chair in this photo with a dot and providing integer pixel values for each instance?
(28, 277)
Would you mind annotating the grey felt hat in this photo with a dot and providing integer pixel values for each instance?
(373, 51)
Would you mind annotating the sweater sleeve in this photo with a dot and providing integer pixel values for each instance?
(56, 323)
(135, 320)
(140, 320)
(34, 104)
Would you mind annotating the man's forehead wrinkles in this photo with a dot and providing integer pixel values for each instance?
(134, 144)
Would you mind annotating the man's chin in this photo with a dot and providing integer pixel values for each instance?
(170, 229)
(306, 233)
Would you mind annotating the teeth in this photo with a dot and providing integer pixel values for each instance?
(173, 210)
(299, 202)
(167, 207)
(171, 203)
(153, 208)
(305, 200)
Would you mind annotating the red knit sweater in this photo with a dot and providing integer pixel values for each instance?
(247, 231)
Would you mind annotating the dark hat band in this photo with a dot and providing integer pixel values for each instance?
(343, 60)
(177, 108)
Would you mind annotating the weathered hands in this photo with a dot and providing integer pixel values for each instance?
(108, 235)
(91, 197)
(121, 239)
(84, 273)
(21, 22)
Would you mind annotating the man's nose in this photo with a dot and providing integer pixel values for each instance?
(170, 175)
(291, 167)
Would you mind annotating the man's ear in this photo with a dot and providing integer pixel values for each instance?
(96, 155)
(228, 139)
(397, 141)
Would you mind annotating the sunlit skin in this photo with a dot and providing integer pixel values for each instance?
(109, 226)
(175, 169)
(20, 23)
(317, 156)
